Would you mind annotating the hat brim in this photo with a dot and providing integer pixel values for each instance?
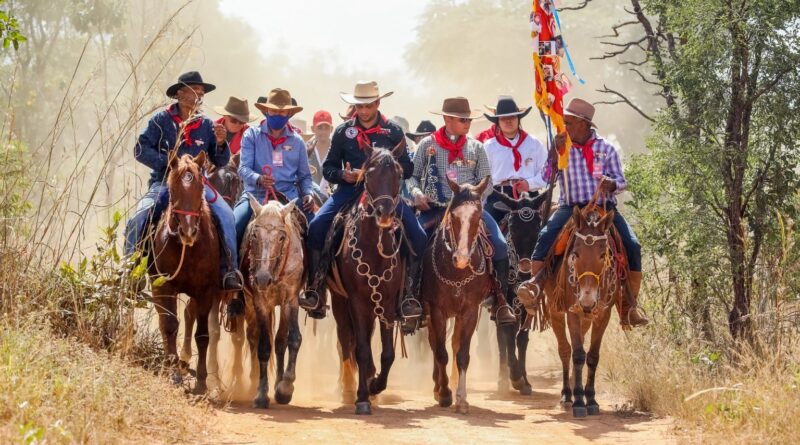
(496, 117)
(416, 135)
(569, 113)
(473, 114)
(244, 118)
(268, 106)
(173, 89)
(353, 100)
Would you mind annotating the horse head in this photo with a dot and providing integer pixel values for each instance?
(590, 257)
(382, 177)
(226, 179)
(186, 201)
(524, 222)
(268, 237)
(463, 219)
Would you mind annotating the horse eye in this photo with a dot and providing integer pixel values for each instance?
(188, 177)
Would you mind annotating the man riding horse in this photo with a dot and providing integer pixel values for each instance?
(367, 128)
(593, 163)
(452, 152)
(197, 133)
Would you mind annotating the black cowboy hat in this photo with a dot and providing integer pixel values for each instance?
(423, 129)
(506, 107)
(187, 79)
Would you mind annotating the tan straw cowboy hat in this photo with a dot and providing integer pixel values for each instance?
(365, 92)
(279, 99)
(236, 108)
(581, 109)
(458, 107)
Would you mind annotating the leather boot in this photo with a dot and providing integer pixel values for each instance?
(503, 313)
(527, 292)
(313, 298)
(631, 315)
(410, 309)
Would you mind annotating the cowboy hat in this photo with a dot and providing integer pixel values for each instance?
(365, 92)
(278, 99)
(423, 129)
(581, 109)
(236, 108)
(188, 79)
(506, 107)
(458, 107)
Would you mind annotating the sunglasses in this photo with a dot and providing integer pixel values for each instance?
(464, 120)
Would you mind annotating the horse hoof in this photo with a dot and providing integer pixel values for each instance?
(579, 411)
(593, 410)
(445, 401)
(565, 402)
(200, 389)
(363, 408)
(283, 392)
(518, 384)
(372, 384)
(261, 403)
(526, 390)
(462, 408)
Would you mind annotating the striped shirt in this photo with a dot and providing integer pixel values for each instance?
(431, 177)
(581, 183)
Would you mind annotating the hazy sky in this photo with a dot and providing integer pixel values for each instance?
(305, 25)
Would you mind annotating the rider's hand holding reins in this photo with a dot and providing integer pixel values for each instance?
(308, 203)
(607, 185)
(421, 201)
(266, 181)
(350, 175)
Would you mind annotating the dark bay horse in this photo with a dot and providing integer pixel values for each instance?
(273, 264)
(186, 260)
(521, 227)
(578, 295)
(368, 276)
(455, 280)
(225, 180)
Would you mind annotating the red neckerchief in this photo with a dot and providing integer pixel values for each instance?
(187, 130)
(235, 143)
(455, 150)
(487, 134)
(276, 141)
(588, 152)
(501, 138)
(363, 134)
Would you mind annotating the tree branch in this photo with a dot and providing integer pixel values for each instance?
(623, 99)
(616, 28)
(575, 8)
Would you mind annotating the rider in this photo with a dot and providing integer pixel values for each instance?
(593, 163)
(153, 149)
(235, 116)
(517, 158)
(367, 127)
(451, 151)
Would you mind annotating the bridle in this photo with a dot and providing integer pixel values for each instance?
(254, 261)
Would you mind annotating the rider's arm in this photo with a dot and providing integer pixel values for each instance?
(247, 160)
(533, 174)
(482, 168)
(147, 148)
(613, 169)
(334, 160)
(414, 183)
(303, 170)
(219, 154)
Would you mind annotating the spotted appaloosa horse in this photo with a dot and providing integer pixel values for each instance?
(186, 260)
(521, 227)
(367, 278)
(578, 295)
(455, 280)
(273, 264)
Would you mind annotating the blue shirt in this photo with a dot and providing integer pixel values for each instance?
(257, 151)
(155, 142)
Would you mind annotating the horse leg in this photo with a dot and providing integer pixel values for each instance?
(578, 360)
(378, 384)
(464, 329)
(281, 338)
(189, 314)
(558, 323)
(201, 340)
(364, 326)
(213, 337)
(238, 336)
(344, 333)
(437, 337)
(592, 360)
(167, 306)
(517, 376)
(502, 379)
(285, 388)
(523, 337)
(264, 349)
(253, 334)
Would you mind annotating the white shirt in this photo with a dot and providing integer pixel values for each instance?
(501, 160)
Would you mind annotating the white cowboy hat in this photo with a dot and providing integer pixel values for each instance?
(365, 92)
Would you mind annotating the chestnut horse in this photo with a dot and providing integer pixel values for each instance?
(455, 280)
(367, 277)
(273, 265)
(186, 255)
(521, 227)
(579, 296)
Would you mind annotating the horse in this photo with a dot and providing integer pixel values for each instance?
(273, 265)
(521, 227)
(367, 277)
(225, 180)
(455, 280)
(579, 296)
(186, 255)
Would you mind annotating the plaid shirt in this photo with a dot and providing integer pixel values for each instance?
(581, 183)
(430, 177)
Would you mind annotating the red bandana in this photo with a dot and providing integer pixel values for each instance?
(501, 138)
(363, 135)
(588, 152)
(487, 134)
(455, 150)
(276, 141)
(187, 130)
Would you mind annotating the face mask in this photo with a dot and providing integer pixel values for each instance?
(276, 121)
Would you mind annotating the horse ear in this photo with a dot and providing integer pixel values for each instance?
(577, 216)
(288, 208)
(368, 151)
(538, 200)
(254, 204)
(200, 159)
(607, 221)
(453, 185)
(399, 149)
(482, 185)
(505, 201)
(235, 159)
(173, 160)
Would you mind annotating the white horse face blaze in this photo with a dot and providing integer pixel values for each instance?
(463, 214)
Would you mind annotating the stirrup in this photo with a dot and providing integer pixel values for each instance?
(303, 301)
(417, 305)
(236, 274)
(508, 321)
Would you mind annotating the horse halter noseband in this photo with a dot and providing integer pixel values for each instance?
(269, 227)
(371, 201)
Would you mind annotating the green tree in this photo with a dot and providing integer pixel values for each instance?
(9, 29)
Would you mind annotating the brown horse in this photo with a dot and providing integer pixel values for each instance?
(186, 260)
(521, 227)
(225, 180)
(455, 280)
(273, 263)
(368, 276)
(579, 296)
